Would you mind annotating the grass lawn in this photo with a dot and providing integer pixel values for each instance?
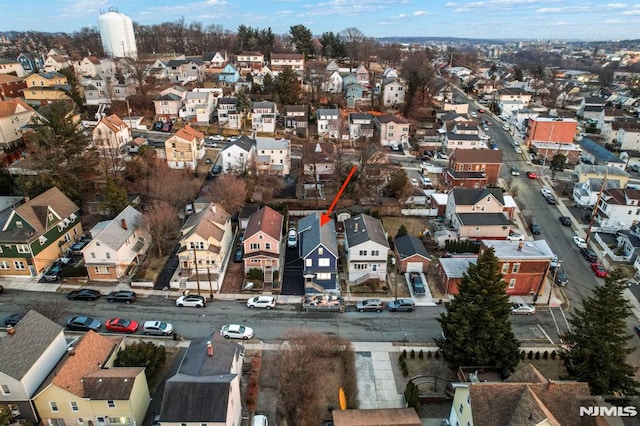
(414, 225)
(151, 267)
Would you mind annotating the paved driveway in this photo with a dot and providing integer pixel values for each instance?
(292, 281)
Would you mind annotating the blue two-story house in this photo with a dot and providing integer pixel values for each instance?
(31, 62)
(318, 247)
(229, 74)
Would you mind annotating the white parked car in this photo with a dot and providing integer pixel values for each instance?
(515, 236)
(505, 127)
(192, 300)
(517, 149)
(267, 302)
(546, 192)
(580, 242)
(474, 114)
(236, 331)
(216, 138)
(522, 309)
(159, 328)
(292, 238)
(414, 181)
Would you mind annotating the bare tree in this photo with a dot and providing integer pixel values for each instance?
(230, 191)
(136, 70)
(162, 221)
(176, 186)
(352, 38)
(54, 309)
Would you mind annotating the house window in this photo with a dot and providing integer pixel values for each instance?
(4, 265)
(198, 245)
(67, 238)
(308, 262)
(324, 261)
(108, 255)
(22, 248)
(267, 246)
(375, 252)
(505, 268)
(515, 268)
(19, 265)
(323, 276)
(74, 406)
(363, 252)
(54, 406)
(461, 408)
(79, 421)
(101, 270)
(5, 390)
(111, 404)
(320, 251)
(19, 224)
(254, 246)
(512, 283)
(93, 255)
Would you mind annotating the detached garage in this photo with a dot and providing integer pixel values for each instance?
(411, 254)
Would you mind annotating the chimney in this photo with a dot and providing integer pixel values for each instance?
(71, 351)
(520, 245)
(550, 384)
(209, 348)
(10, 330)
(123, 223)
(355, 224)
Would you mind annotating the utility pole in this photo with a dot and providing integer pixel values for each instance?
(210, 288)
(195, 262)
(595, 207)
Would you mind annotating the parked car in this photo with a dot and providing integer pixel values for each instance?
(565, 220)
(267, 302)
(515, 171)
(474, 114)
(546, 192)
(157, 126)
(122, 325)
(534, 227)
(522, 309)
(395, 147)
(191, 300)
(370, 305)
(589, 254)
(216, 138)
(167, 127)
(550, 199)
(515, 236)
(414, 181)
(259, 420)
(237, 257)
(216, 169)
(637, 329)
(599, 270)
(207, 161)
(579, 241)
(158, 328)
(418, 286)
(532, 175)
(54, 271)
(126, 296)
(561, 277)
(232, 139)
(84, 294)
(210, 144)
(292, 238)
(401, 305)
(82, 323)
(13, 319)
(517, 149)
(77, 247)
(236, 331)
(505, 127)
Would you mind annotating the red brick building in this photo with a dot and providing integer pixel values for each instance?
(11, 86)
(550, 136)
(472, 168)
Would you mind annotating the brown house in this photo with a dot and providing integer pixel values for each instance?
(451, 270)
(377, 417)
(472, 168)
(262, 242)
(411, 254)
(11, 86)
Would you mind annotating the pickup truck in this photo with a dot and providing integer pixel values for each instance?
(323, 303)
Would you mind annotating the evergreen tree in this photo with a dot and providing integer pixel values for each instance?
(598, 341)
(288, 86)
(411, 393)
(244, 101)
(114, 199)
(302, 39)
(401, 231)
(476, 327)
(558, 163)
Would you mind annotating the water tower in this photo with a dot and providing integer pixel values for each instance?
(116, 33)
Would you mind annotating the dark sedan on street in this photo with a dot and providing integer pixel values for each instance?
(82, 323)
(84, 294)
(125, 296)
(565, 220)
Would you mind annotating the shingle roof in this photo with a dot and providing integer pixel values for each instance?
(482, 219)
(312, 235)
(244, 142)
(188, 133)
(389, 118)
(362, 228)
(113, 122)
(272, 143)
(488, 156)
(471, 196)
(265, 220)
(455, 267)
(210, 222)
(114, 383)
(408, 245)
(111, 232)
(600, 152)
(12, 107)
(34, 334)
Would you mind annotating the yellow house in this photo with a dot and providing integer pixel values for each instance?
(45, 95)
(85, 388)
(185, 148)
(46, 79)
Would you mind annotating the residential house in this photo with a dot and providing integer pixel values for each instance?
(392, 129)
(37, 233)
(186, 70)
(333, 83)
(296, 118)
(273, 156)
(96, 90)
(390, 73)
(184, 148)
(524, 265)
(618, 209)
(226, 106)
(229, 74)
(460, 133)
(472, 168)
(46, 79)
(597, 154)
(279, 61)
(259, 76)
(586, 193)
(318, 248)
(89, 66)
(15, 115)
(237, 155)
(206, 387)
(169, 104)
(206, 240)
(452, 269)
(117, 246)
(111, 134)
(347, 80)
(120, 92)
(331, 67)
(86, 385)
(9, 66)
(628, 136)
(55, 62)
(366, 247)
(329, 123)
(628, 246)
(376, 416)
(393, 93)
(354, 92)
(360, 125)
(26, 358)
(549, 136)
(478, 213)
(319, 162)
(158, 70)
(198, 107)
(217, 59)
(362, 75)
(11, 87)
(30, 62)
(411, 255)
(262, 243)
(245, 213)
(263, 116)
(40, 96)
(248, 62)
(526, 397)
(592, 110)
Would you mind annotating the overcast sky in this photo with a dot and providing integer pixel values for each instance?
(546, 19)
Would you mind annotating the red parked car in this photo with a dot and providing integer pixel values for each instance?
(532, 175)
(599, 270)
(121, 325)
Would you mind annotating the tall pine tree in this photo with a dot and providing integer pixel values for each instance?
(598, 341)
(476, 327)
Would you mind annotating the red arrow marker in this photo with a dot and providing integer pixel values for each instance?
(326, 217)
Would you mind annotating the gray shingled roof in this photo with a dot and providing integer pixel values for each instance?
(34, 334)
(471, 196)
(312, 235)
(408, 245)
(455, 267)
(243, 142)
(480, 219)
(600, 152)
(362, 228)
(111, 231)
